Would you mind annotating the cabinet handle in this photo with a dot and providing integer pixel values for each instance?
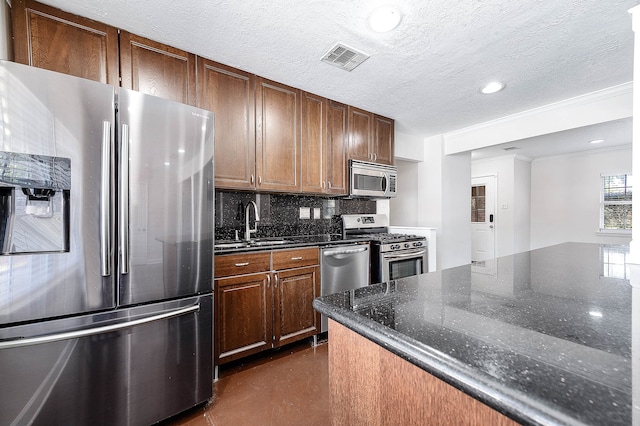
(268, 280)
(297, 258)
(329, 185)
(375, 157)
(242, 264)
(260, 180)
(252, 179)
(275, 284)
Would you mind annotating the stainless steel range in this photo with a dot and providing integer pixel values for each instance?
(393, 256)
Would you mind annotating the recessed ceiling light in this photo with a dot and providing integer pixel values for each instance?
(384, 19)
(597, 141)
(493, 87)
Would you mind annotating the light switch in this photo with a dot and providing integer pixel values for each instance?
(504, 206)
(316, 213)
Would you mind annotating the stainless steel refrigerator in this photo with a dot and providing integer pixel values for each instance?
(106, 252)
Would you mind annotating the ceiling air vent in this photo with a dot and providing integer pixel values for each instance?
(344, 57)
(511, 148)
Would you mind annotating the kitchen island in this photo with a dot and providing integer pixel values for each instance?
(541, 337)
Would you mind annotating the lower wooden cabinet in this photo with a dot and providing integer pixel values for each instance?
(261, 305)
(294, 316)
(243, 307)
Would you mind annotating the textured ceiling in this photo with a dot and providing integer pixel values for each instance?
(426, 74)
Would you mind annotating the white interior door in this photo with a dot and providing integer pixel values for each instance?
(483, 218)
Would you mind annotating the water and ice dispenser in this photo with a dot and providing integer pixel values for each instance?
(34, 203)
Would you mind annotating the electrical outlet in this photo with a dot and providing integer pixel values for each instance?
(305, 213)
(504, 206)
(316, 213)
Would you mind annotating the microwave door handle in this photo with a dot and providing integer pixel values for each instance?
(403, 256)
(384, 183)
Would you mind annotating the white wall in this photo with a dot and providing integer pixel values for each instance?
(565, 196)
(404, 207)
(408, 147)
(522, 205)
(434, 193)
(454, 242)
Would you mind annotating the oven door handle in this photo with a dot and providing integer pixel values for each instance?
(404, 256)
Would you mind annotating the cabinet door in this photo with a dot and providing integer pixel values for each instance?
(49, 38)
(157, 69)
(243, 313)
(360, 125)
(383, 139)
(230, 94)
(336, 152)
(277, 137)
(294, 316)
(314, 132)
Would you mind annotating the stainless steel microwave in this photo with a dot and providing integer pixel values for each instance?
(372, 180)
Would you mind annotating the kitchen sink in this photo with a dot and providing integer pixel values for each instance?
(268, 242)
(231, 244)
(258, 242)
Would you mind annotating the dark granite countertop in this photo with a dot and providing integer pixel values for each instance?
(294, 242)
(543, 336)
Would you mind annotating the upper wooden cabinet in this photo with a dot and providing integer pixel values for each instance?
(383, 139)
(230, 94)
(324, 143)
(277, 137)
(360, 129)
(371, 137)
(157, 69)
(314, 143)
(337, 145)
(49, 38)
(268, 136)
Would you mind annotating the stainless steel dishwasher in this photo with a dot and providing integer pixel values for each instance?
(343, 267)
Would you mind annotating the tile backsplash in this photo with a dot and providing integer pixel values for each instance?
(285, 215)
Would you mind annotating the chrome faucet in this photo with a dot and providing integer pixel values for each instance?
(247, 228)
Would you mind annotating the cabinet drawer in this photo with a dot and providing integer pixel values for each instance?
(241, 263)
(287, 259)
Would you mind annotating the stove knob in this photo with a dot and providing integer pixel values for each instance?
(407, 245)
(417, 244)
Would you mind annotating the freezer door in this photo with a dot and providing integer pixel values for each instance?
(165, 199)
(129, 367)
(56, 180)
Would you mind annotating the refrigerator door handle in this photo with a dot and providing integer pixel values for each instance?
(124, 200)
(49, 338)
(105, 202)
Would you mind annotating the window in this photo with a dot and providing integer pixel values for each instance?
(477, 203)
(615, 202)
